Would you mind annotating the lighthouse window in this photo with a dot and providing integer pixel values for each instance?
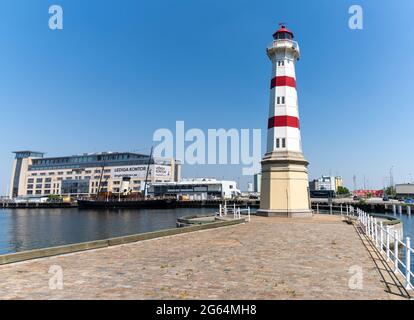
(277, 143)
(280, 100)
(283, 143)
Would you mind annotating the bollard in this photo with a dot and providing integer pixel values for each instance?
(396, 251)
(388, 243)
(220, 210)
(394, 209)
(409, 210)
(407, 264)
(400, 209)
(341, 209)
(248, 213)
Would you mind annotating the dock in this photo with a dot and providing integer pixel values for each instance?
(267, 258)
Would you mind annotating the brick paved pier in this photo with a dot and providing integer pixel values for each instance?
(269, 258)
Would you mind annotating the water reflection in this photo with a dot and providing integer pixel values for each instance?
(25, 229)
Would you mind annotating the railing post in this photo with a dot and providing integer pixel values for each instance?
(369, 225)
(330, 208)
(400, 209)
(317, 207)
(394, 209)
(220, 208)
(341, 209)
(366, 224)
(409, 210)
(395, 251)
(376, 232)
(388, 243)
(408, 264)
(248, 212)
(382, 236)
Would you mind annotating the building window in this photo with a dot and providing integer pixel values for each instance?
(30, 180)
(277, 143)
(29, 186)
(39, 180)
(48, 179)
(60, 173)
(42, 173)
(47, 191)
(48, 185)
(30, 192)
(283, 143)
(116, 182)
(38, 191)
(51, 173)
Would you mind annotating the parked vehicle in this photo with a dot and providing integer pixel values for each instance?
(408, 200)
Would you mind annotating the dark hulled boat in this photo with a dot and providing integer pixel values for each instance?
(132, 204)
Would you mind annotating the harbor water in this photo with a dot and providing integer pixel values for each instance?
(26, 229)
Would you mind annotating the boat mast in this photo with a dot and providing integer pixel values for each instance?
(146, 175)
(100, 178)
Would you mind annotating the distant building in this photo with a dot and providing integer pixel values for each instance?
(250, 187)
(405, 190)
(195, 189)
(34, 175)
(257, 180)
(329, 183)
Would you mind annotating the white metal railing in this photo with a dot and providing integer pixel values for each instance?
(343, 209)
(381, 237)
(225, 211)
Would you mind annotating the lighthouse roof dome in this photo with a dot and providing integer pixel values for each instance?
(283, 33)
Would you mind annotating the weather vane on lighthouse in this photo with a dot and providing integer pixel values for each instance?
(284, 190)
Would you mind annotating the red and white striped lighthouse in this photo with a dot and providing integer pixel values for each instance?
(284, 190)
(283, 124)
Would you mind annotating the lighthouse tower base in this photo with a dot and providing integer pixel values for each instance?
(285, 189)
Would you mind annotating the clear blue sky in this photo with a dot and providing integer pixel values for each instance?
(122, 69)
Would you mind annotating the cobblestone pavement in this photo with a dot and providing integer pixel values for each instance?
(268, 258)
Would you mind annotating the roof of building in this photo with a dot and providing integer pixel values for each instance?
(194, 181)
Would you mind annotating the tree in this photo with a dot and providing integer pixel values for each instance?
(390, 191)
(342, 190)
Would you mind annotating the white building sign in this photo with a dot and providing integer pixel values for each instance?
(141, 171)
